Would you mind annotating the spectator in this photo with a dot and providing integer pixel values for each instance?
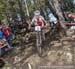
(7, 34)
(1, 32)
(71, 17)
(52, 19)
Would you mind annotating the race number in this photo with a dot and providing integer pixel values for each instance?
(37, 28)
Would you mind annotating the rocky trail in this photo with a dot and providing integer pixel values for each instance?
(58, 53)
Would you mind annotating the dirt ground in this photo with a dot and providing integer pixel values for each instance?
(57, 54)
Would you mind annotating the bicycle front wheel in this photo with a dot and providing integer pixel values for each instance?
(39, 42)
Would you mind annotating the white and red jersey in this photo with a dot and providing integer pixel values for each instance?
(38, 21)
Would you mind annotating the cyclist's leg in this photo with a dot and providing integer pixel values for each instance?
(43, 34)
(37, 38)
(40, 37)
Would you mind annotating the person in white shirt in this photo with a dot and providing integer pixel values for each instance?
(52, 19)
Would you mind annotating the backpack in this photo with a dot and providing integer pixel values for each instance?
(1, 34)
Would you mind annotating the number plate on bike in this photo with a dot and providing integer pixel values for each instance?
(37, 28)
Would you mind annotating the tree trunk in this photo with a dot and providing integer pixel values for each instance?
(55, 6)
(58, 10)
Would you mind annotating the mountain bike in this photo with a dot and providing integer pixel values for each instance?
(40, 36)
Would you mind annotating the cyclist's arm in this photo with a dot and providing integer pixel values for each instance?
(29, 27)
(31, 23)
(46, 23)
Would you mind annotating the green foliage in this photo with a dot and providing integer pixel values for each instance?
(69, 5)
(12, 6)
(36, 5)
(7, 6)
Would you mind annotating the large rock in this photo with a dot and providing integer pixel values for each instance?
(53, 42)
(57, 44)
(73, 36)
(69, 58)
(65, 42)
(34, 60)
(67, 48)
(66, 38)
(70, 32)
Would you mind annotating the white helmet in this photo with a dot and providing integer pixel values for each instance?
(37, 12)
